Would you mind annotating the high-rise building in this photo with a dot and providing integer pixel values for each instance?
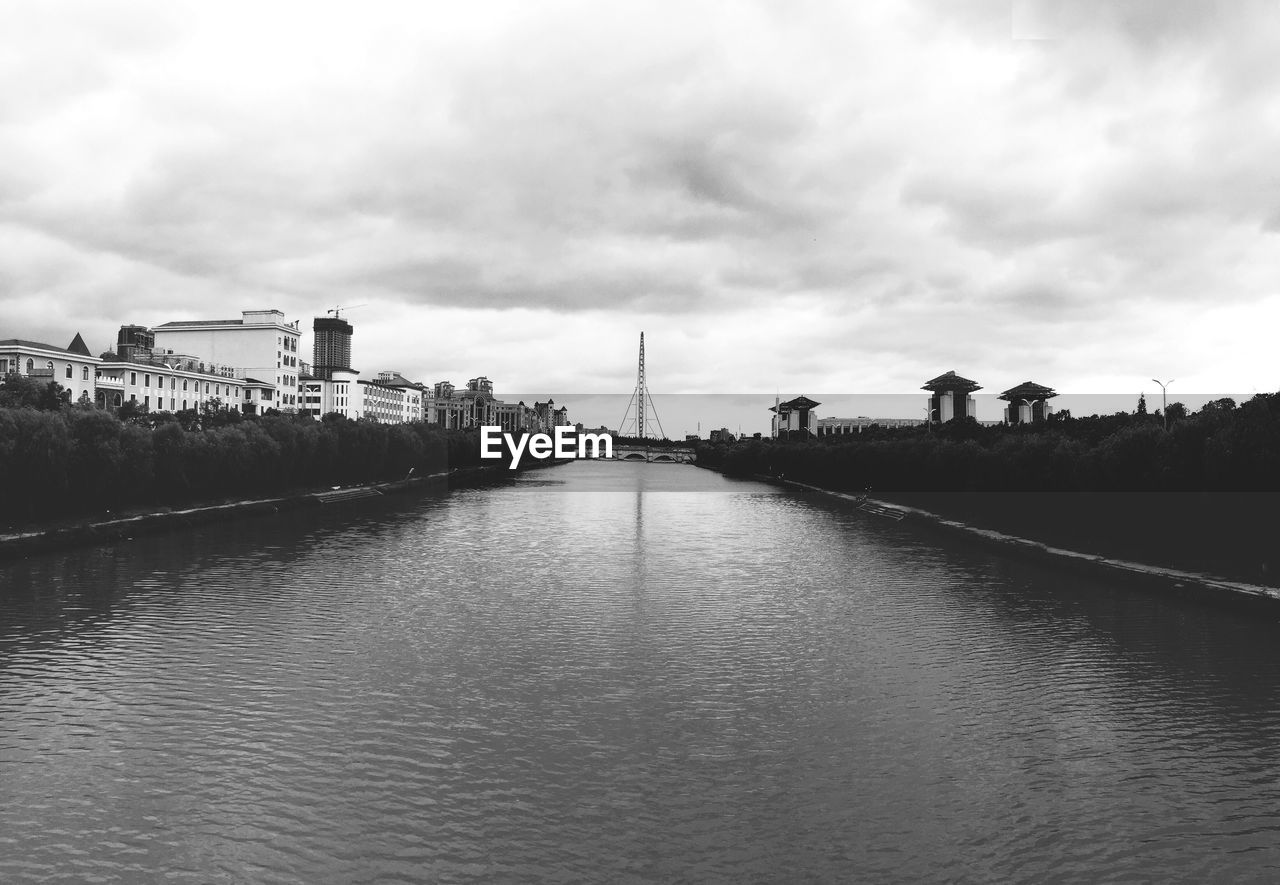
(332, 346)
(135, 341)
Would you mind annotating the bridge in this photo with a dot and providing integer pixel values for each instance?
(654, 454)
(650, 454)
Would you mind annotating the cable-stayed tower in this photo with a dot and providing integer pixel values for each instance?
(643, 402)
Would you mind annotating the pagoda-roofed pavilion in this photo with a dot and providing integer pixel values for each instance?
(795, 416)
(1028, 402)
(951, 381)
(951, 397)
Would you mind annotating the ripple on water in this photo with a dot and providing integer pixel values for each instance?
(576, 679)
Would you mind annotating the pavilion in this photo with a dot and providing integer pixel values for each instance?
(1028, 403)
(950, 397)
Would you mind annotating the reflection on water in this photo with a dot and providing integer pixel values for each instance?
(615, 672)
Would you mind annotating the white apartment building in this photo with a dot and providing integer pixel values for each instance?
(261, 344)
(407, 401)
(391, 399)
(167, 384)
(73, 367)
(341, 393)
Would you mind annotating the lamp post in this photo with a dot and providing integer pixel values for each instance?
(929, 412)
(1164, 400)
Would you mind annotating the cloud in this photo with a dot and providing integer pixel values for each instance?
(826, 193)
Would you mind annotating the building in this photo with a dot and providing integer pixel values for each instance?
(409, 398)
(723, 435)
(339, 393)
(445, 409)
(261, 344)
(476, 406)
(794, 417)
(259, 396)
(545, 417)
(389, 399)
(950, 398)
(845, 426)
(162, 382)
(1028, 403)
(73, 366)
(331, 347)
(513, 417)
(133, 341)
(479, 406)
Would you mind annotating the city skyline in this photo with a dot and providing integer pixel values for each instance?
(828, 197)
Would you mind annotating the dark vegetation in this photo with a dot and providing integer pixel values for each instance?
(1202, 494)
(59, 460)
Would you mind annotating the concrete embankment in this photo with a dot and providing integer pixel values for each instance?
(1152, 577)
(64, 535)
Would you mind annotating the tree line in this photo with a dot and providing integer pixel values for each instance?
(1222, 447)
(59, 459)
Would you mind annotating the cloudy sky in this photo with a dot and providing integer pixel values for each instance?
(792, 197)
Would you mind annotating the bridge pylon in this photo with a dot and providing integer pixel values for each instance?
(643, 403)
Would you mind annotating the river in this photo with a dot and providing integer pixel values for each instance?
(609, 672)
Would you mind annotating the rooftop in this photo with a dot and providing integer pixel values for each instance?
(1028, 390)
(800, 402)
(40, 345)
(22, 342)
(202, 323)
(951, 381)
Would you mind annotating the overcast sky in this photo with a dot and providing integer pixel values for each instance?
(792, 196)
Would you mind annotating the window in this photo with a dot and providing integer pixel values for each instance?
(133, 381)
(68, 370)
(146, 380)
(184, 383)
(31, 366)
(206, 387)
(84, 374)
(146, 401)
(184, 405)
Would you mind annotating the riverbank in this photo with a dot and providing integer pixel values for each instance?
(1147, 575)
(1151, 576)
(75, 533)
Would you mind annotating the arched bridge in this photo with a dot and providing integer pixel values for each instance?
(654, 454)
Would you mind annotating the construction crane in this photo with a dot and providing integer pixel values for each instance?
(335, 310)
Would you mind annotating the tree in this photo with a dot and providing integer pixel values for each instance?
(188, 418)
(17, 392)
(215, 413)
(132, 412)
(1142, 404)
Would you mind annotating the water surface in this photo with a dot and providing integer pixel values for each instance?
(620, 673)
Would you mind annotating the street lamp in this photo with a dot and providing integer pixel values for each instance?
(1164, 400)
(929, 412)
